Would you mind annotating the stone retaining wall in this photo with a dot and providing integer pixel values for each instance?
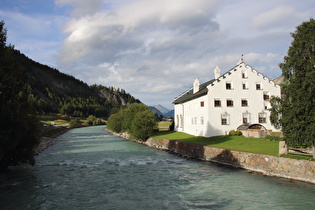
(269, 165)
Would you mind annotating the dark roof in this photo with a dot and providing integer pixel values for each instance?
(189, 95)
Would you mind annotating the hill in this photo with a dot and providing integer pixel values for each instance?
(161, 110)
(52, 91)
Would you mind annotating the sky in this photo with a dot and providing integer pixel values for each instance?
(153, 49)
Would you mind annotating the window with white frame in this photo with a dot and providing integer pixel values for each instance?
(225, 119)
(246, 117)
(262, 117)
(201, 120)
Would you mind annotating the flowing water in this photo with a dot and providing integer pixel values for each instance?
(87, 168)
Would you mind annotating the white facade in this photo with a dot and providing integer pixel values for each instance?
(238, 97)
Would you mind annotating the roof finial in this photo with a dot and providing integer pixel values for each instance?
(241, 60)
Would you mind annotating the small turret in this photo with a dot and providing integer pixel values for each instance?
(217, 72)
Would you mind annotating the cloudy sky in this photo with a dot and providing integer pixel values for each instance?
(154, 49)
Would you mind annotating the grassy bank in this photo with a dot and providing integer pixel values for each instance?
(239, 143)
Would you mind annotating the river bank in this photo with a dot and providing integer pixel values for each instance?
(301, 170)
(47, 140)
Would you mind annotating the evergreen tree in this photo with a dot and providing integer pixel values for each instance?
(18, 128)
(297, 110)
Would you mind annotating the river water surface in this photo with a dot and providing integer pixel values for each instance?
(87, 168)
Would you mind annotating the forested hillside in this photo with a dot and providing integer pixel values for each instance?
(51, 91)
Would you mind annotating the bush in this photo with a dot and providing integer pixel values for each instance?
(235, 133)
(92, 120)
(143, 125)
(74, 123)
(172, 126)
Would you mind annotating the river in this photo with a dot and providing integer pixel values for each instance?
(87, 168)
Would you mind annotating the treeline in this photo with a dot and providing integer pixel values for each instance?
(51, 91)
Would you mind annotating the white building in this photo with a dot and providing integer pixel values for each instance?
(237, 99)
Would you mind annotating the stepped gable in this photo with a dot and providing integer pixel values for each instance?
(203, 90)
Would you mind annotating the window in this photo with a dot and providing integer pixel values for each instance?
(246, 117)
(229, 103)
(192, 121)
(217, 102)
(244, 102)
(245, 86)
(258, 86)
(202, 103)
(244, 75)
(262, 117)
(196, 120)
(228, 85)
(177, 121)
(266, 96)
(201, 120)
(225, 119)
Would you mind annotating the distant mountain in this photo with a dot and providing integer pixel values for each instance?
(156, 111)
(163, 110)
(169, 114)
(51, 91)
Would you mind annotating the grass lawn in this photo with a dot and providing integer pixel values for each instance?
(239, 143)
(164, 126)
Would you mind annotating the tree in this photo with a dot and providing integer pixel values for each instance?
(143, 124)
(296, 110)
(115, 121)
(19, 130)
(130, 115)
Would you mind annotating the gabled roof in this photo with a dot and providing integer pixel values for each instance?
(189, 95)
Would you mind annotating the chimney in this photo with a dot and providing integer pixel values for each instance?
(217, 72)
(196, 86)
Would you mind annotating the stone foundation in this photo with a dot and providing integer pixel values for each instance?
(302, 170)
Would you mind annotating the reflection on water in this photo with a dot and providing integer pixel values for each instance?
(89, 169)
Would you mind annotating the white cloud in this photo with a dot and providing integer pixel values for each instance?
(282, 16)
(156, 49)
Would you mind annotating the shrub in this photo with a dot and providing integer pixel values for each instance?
(74, 123)
(92, 120)
(235, 133)
(172, 126)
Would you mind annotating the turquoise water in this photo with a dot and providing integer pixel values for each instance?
(89, 169)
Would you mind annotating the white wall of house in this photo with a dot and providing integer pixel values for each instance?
(224, 107)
